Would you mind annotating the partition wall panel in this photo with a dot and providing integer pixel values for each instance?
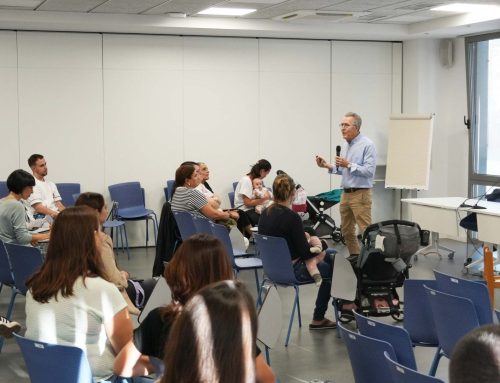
(60, 104)
(9, 143)
(294, 108)
(221, 110)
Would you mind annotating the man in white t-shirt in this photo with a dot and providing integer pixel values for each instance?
(45, 199)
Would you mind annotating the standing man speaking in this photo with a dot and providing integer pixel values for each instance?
(357, 167)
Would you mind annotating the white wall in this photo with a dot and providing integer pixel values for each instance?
(112, 108)
(430, 88)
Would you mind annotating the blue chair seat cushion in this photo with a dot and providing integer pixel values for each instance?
(135, 212)
(248, 263)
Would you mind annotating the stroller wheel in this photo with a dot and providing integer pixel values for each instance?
(398, 317)
(338, 237)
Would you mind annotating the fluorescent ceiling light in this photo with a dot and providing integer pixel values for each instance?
(466, 8)
(215, 11)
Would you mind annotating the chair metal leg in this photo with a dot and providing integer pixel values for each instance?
(435, 361)
(259, 302)
(122, 242)
(337, 320)
(9, 312)
(126, 240)
(295, 302)
(298, 304)
(268, 358)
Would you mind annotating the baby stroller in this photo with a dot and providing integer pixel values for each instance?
(322, 224)
(383, 266)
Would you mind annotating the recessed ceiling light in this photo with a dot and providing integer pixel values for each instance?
(466, 8)
(215, 11)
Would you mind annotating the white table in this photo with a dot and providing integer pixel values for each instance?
(442, 215)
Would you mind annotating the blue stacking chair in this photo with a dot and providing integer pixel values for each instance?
(278, 270)
(4, 191)
(202, 225)
(185, 223)
(231, 199)
(367, 357)
(497, 312)
(67, 190)
(24, 261)
(6, 279)
(453, 317)
(396, 336)
(403, 374)
(131, 205)
(113, 224)
(235, 183)
(169, 189)
(240, 263)
(477, 292)
(54, 363)
(418, 319)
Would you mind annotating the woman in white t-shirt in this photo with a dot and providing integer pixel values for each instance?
(69, 302)
(244, 196)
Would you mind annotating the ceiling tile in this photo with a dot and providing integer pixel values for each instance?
(69, 5)
(189, 7)
(127, 6)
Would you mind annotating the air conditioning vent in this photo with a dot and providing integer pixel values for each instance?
(323, 15)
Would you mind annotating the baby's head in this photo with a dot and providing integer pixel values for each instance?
(257, 183)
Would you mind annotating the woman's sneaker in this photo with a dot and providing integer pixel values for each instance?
(7, 327)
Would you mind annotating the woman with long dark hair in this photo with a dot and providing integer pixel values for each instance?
(213, 340)
(69, 301)
(244, 195)
(199, 261)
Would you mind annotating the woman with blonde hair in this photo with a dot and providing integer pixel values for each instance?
(213, 340)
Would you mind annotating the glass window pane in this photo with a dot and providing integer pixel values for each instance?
(486, 110)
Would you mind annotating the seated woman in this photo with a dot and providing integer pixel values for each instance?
(213, 340)
(278, 220)
(69, 301)
(13, 227)
(186, 197)
(205, 188)
(135, 293)
(199, 261)
(244, 195)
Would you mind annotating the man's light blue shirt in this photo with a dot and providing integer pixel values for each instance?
(361, 153)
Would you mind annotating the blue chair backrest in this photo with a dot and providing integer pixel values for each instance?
(24, 260)
(396, 336)
(54, 363)
(3, 189)
(497, 312)
(67, 190)
(185, 224)
(220, 232)
(127, 194)
(417, 312)
(170, 189)
(453, 318)
(202, 225)
(276, 259)
(5, 268)
(367, 357)
(235, 183)
(403, 374)
(477, 292)
(231, 199)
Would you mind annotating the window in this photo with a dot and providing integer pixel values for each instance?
(483, 92)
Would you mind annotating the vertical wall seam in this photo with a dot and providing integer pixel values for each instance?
(18, 104)
(102, 122)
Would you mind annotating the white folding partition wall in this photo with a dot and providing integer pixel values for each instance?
(113, 108)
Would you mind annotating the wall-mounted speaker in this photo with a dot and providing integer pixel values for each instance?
(446, 53)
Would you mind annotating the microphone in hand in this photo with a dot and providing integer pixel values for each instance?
(337, 151)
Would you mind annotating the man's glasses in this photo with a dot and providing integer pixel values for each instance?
(344, 125)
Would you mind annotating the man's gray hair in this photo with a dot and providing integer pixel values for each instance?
(357, 118)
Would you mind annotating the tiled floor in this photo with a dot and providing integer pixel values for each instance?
(310, 355)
